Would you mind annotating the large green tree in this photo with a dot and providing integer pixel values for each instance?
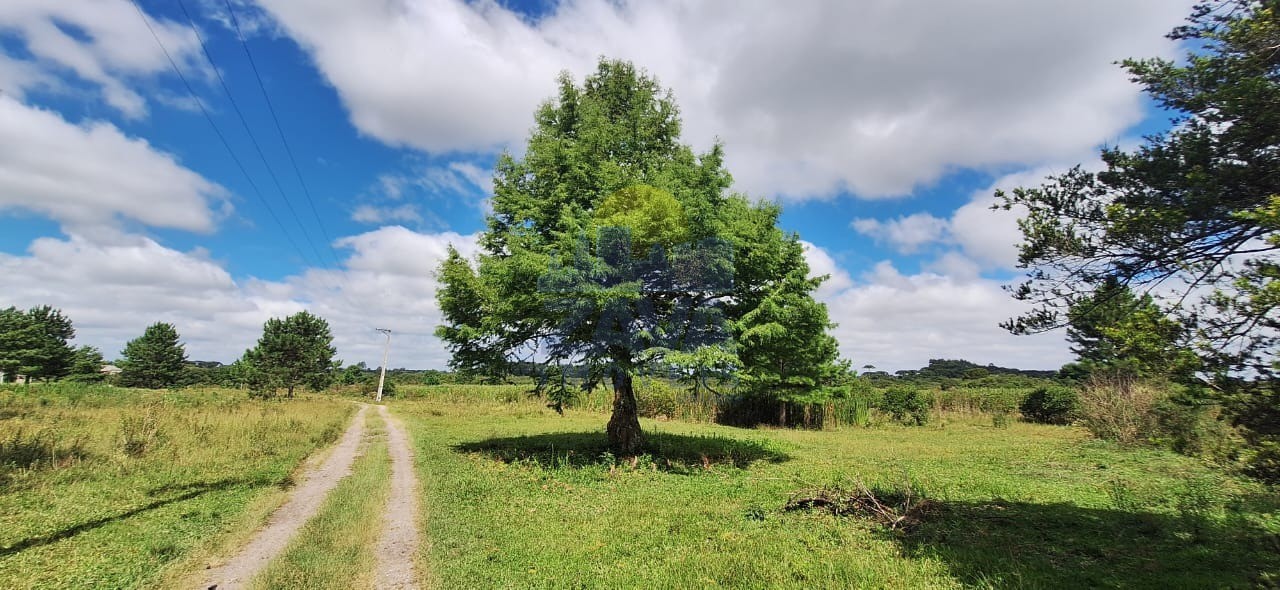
(612, 245)
(36, 342)
(155, 359)
(293, 351)
(1193, 210)
(781, 333)
(1191, 216)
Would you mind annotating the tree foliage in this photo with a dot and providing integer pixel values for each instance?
(1113, 329)
(612, 247)
(154, 360)
(86, 367)
(1192, 210)
(1192, 217)
(293, 351)
(35, 342)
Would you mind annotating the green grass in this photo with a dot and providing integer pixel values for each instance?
(518, 497)
(335, 549)
(106, 487)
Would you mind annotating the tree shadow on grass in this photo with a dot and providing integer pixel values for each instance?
(1013, 544)
(679, 453)
(189, 491)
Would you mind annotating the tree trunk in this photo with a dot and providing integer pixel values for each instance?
(782, 413)
(624, 426)
(290, 395)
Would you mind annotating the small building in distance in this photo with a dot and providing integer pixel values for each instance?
(110, 370)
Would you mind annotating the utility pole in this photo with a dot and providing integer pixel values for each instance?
(385, 349)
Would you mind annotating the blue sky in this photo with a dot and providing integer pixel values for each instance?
(883, 133)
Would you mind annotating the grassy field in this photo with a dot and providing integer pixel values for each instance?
(119, 488)
(519, 497)
(110, 487)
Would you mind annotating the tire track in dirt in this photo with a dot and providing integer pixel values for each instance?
(284, 523)
(399, 542)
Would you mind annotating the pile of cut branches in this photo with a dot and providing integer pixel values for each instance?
(898, 510)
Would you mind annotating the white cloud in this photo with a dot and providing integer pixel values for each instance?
(380, 215)
(88, 175)
(992, 236)
(810, 98)
(101, 41)
(17, 77)
(954, 265)
(113, 288)
(477, 176)
(248, 17)
(896, 321)
(821, 263)
(906, 234)
(987, 237)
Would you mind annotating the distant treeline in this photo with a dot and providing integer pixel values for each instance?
(959, 369)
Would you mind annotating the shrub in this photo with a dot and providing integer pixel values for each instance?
(30, 450)
(1197, 501)
(369, 387)
(1051, 405)
(907, 405)
(1120, 408)
(1264, 462)
(1195, 430)
(657, 398)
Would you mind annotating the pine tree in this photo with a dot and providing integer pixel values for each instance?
(155, 359)
(292, 351)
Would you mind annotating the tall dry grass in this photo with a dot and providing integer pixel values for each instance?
(1120, 408)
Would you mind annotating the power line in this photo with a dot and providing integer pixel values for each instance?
(252, 139)
(279, 129)
(340, 281)
(222, 138)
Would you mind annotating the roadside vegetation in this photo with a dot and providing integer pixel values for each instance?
(104, 487)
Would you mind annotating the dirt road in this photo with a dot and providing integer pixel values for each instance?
(399, 542)
(303, 503)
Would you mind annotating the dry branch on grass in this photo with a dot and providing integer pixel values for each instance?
(899, 510)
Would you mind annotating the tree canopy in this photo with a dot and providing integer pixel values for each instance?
(292, 351)
(35, 342)
(155, 359)
(1115, 330)
(1190, 218)
(613, 246)
(1192, 215)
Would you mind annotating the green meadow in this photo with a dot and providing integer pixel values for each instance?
(111, 487)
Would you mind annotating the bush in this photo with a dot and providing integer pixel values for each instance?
(656, 398)
(1051, 405)
(29, 450)
(369, 387)
(1264, 462)
(1255, 410)
(907, 405)
(1196, 430)
(1120, 408)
